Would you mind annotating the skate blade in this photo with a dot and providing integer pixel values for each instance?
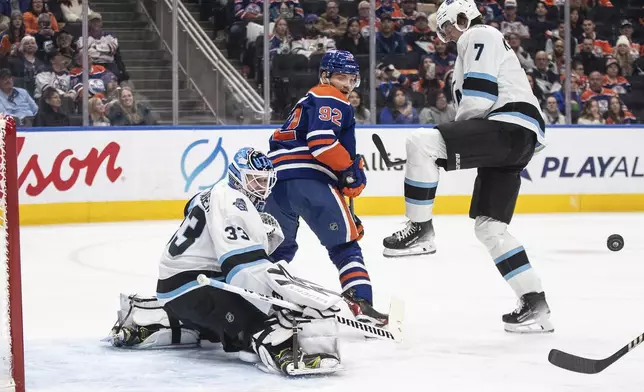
(325, 366)
(422, 248)
(328, 366)
(531, 327)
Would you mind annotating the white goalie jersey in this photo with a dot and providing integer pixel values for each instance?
(222, 237)
(488, 82)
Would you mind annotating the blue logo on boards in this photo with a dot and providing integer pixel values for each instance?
(218, 153)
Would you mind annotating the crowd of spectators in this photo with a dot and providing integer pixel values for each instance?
(413, 75)
(41, 74)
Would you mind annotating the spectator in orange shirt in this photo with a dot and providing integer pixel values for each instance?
(597, 92)
(614, 79)
(31, 17)
(600, 47)
(578, 69)
(597, 3)
(363, 14)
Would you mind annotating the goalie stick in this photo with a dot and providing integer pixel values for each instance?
(587, 365)
(380, 146)
(380, 333)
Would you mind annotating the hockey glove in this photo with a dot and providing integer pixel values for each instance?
(353, 179)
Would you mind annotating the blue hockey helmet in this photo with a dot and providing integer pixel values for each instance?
(252, 173)
(340, 61)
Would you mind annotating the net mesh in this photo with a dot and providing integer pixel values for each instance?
(5, 316)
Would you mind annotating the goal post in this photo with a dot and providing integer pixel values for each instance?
(12, 367)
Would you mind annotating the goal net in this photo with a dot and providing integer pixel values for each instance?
(11, 342)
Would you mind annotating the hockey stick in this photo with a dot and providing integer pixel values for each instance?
(380, 146)
(370, 330)
(587, 365)
(396, 305)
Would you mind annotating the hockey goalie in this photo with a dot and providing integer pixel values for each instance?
(226, 237)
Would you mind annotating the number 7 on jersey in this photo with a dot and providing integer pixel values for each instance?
(480, 50)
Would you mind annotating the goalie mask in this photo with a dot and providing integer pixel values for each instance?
(252, 173)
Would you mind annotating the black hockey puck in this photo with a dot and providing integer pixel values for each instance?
(615, 242)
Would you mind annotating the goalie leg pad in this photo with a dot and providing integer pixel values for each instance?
(296, 346)
(144, 324)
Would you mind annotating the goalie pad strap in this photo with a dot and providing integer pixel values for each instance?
(175, 327)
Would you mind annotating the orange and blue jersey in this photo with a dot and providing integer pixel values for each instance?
(318, 139)
(629, 118)
(603, 98)
(620, 84)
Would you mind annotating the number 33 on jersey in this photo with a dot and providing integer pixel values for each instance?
(318, 139)
(221, 235)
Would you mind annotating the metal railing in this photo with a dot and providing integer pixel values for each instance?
(248, 91)
(168, 47)
(207, 69)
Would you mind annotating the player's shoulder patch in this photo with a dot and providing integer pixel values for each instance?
(240, 204)
(328, 91)
(205, 200)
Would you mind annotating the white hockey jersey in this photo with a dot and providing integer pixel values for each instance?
(488, 82)
(222, 237)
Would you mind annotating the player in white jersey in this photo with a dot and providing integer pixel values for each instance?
(224, 236)
(498, 127)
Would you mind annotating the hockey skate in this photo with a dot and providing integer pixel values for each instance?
(531, 316)
(304, 364)
(416, 238)
(363, 311)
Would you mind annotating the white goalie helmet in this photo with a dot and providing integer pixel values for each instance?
(448, 12)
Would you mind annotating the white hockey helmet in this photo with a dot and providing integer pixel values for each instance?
(448, 13)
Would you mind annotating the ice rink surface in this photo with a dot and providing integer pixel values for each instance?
(454, 338)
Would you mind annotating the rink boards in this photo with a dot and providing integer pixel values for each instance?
(116, 174)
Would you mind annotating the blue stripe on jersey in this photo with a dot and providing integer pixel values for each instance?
(420, 184)
(479, 94)
(183, 289)
(523, 117)
(419, 202)
(235, 252)
(240, 267)
(480, 75)
(508, 254)
(517, 271)
(178, 291)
